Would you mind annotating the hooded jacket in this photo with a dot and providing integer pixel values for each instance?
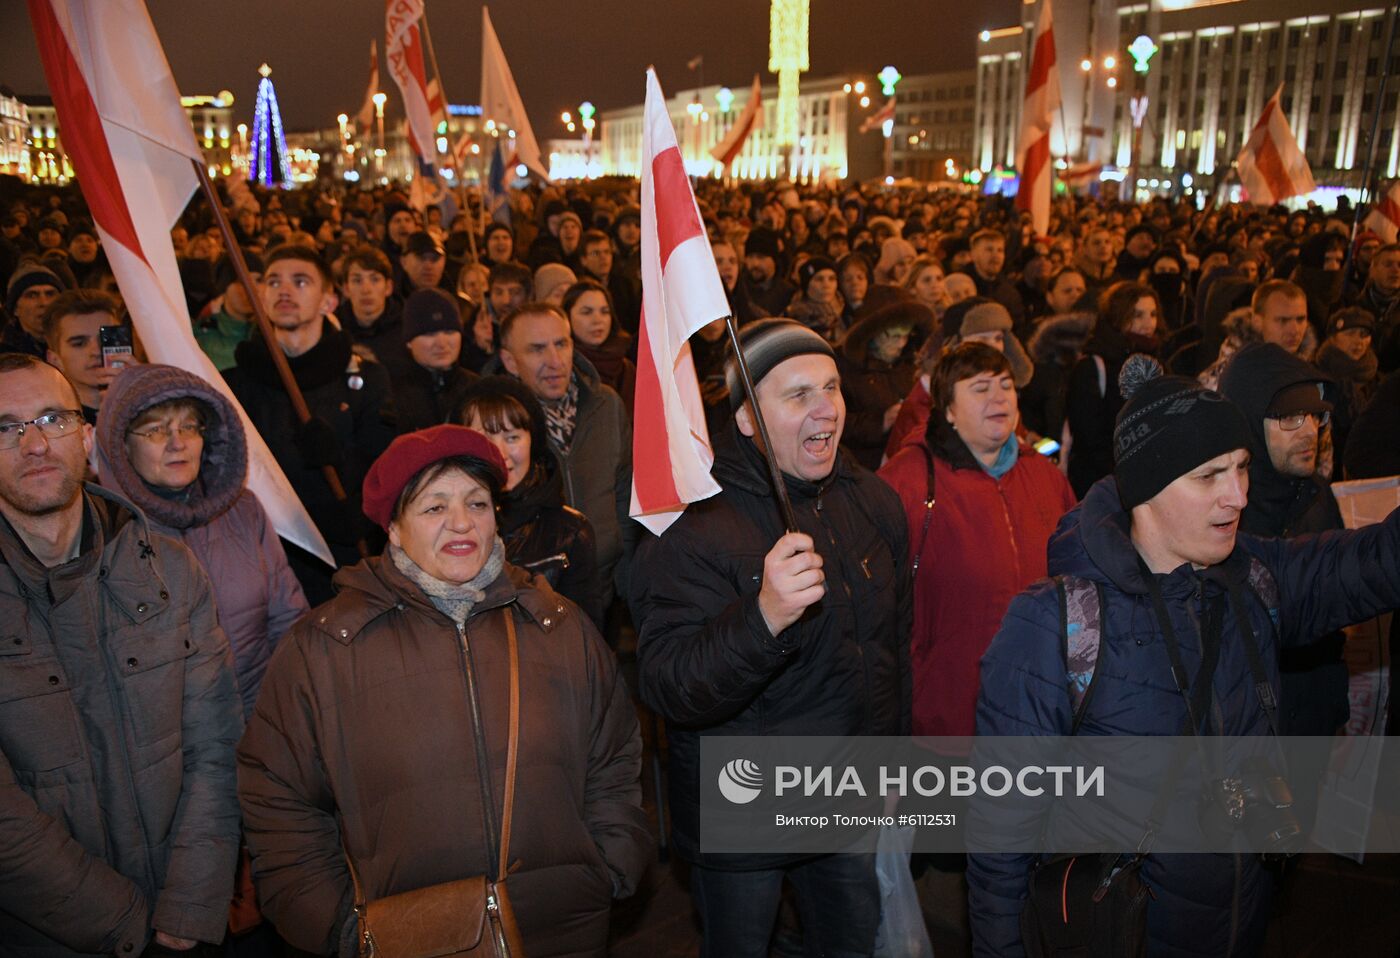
(365, 730)
(1054, 348)
(706, 660)
(870, 385)
(218, 518)
(118, 721)
(1200, 904)
(1313, 699)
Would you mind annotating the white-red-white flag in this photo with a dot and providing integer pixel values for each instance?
(1384, 218)
(1271, 166)
(681, 292)
(750, 120)
(501, 103)
(131, 146)
(879, 118)
(1033, 161)
(404, 52)
(366, 115)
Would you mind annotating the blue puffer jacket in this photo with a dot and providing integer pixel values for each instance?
(1203, 905)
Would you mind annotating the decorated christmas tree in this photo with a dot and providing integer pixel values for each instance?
(268, 164)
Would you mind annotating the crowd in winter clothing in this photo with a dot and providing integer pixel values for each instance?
(977, 393)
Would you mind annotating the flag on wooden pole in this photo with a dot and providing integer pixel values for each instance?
(1384, 218)
(681, 292)
(750, 120)
(131, 145)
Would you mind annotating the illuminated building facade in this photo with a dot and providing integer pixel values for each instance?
(48, 163)
(14, 135)
(1210, 66)
(934, 125)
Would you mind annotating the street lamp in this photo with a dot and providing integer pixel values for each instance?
(243, 142)
(585, 111)
(379, 99)
(725, 98)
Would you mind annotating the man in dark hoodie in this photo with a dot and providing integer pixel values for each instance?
(1283, 399)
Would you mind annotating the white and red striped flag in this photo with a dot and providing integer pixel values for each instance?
(1033, 161)
(1384, 218)
(365, 118)
(681, 292)
(131, 144)
(1271, 166)
(404, 51)
(879, 118)
(750, 120)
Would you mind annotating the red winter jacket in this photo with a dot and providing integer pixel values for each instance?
(986, 542)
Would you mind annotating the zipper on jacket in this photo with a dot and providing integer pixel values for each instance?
(493, 913)
(483, 761)
(851, 614)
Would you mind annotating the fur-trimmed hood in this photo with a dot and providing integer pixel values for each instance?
(1060, 339)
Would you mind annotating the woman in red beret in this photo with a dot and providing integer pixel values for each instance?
(386, 718)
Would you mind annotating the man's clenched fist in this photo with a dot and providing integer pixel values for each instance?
(792, 580)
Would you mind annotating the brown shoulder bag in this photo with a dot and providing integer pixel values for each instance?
(471, 917)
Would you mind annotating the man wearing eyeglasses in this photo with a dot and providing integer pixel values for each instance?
(1284, 400)
(119, 712)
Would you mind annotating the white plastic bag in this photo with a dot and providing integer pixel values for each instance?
(902, 931)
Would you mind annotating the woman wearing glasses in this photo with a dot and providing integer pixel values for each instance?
(174, 446)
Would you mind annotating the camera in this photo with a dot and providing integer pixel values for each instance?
(1258, 802)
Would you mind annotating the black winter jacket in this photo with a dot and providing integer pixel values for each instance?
(547, 538)
(1313, 699)
(1092, 411)
(350, 394)
(425, 397)
(706, 659)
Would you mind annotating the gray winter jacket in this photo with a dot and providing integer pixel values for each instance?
(118, 722)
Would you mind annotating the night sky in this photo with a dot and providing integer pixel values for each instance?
(561, 51)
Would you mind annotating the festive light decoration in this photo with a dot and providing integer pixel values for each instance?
(888, 77)
(787, 57)
(725, 99)
(270, 165)
(1142, 50)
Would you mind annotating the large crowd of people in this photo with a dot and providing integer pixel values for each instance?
(193, 712)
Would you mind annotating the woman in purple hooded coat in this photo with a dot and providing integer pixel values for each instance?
(174, 446)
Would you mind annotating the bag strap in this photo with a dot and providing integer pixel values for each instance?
(512, 745)
(928, 515)
(1103, 375)
(1083, 639)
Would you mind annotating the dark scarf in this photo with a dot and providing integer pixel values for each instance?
(609, 357)
(321, 364)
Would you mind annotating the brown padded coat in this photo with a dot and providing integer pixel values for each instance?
(364, 722)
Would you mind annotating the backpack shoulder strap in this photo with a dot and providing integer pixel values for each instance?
(1081, 620)
(1263, 584)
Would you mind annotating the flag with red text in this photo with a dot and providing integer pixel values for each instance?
(1033, 161)
(131, 146)
(681, 292)
(750, 120)
(1384, 218)
(404, 53)
(1271, 166)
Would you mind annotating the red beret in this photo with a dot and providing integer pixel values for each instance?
(413, 452)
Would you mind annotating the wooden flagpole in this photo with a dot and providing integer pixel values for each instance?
(279, 359)
(775, 474)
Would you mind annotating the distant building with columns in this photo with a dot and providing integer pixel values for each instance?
(1211, 65)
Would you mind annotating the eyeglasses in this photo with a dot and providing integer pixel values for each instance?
(161, 434)
(1294, 422)
(54, 425)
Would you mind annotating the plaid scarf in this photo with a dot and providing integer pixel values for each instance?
(560, 416)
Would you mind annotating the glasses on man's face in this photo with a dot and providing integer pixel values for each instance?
(161, 434)
(53, 425)
(1295, 421)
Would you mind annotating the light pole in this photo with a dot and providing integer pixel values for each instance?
(243, 143)
(888, 77)
(585, 111)
(379, 99)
